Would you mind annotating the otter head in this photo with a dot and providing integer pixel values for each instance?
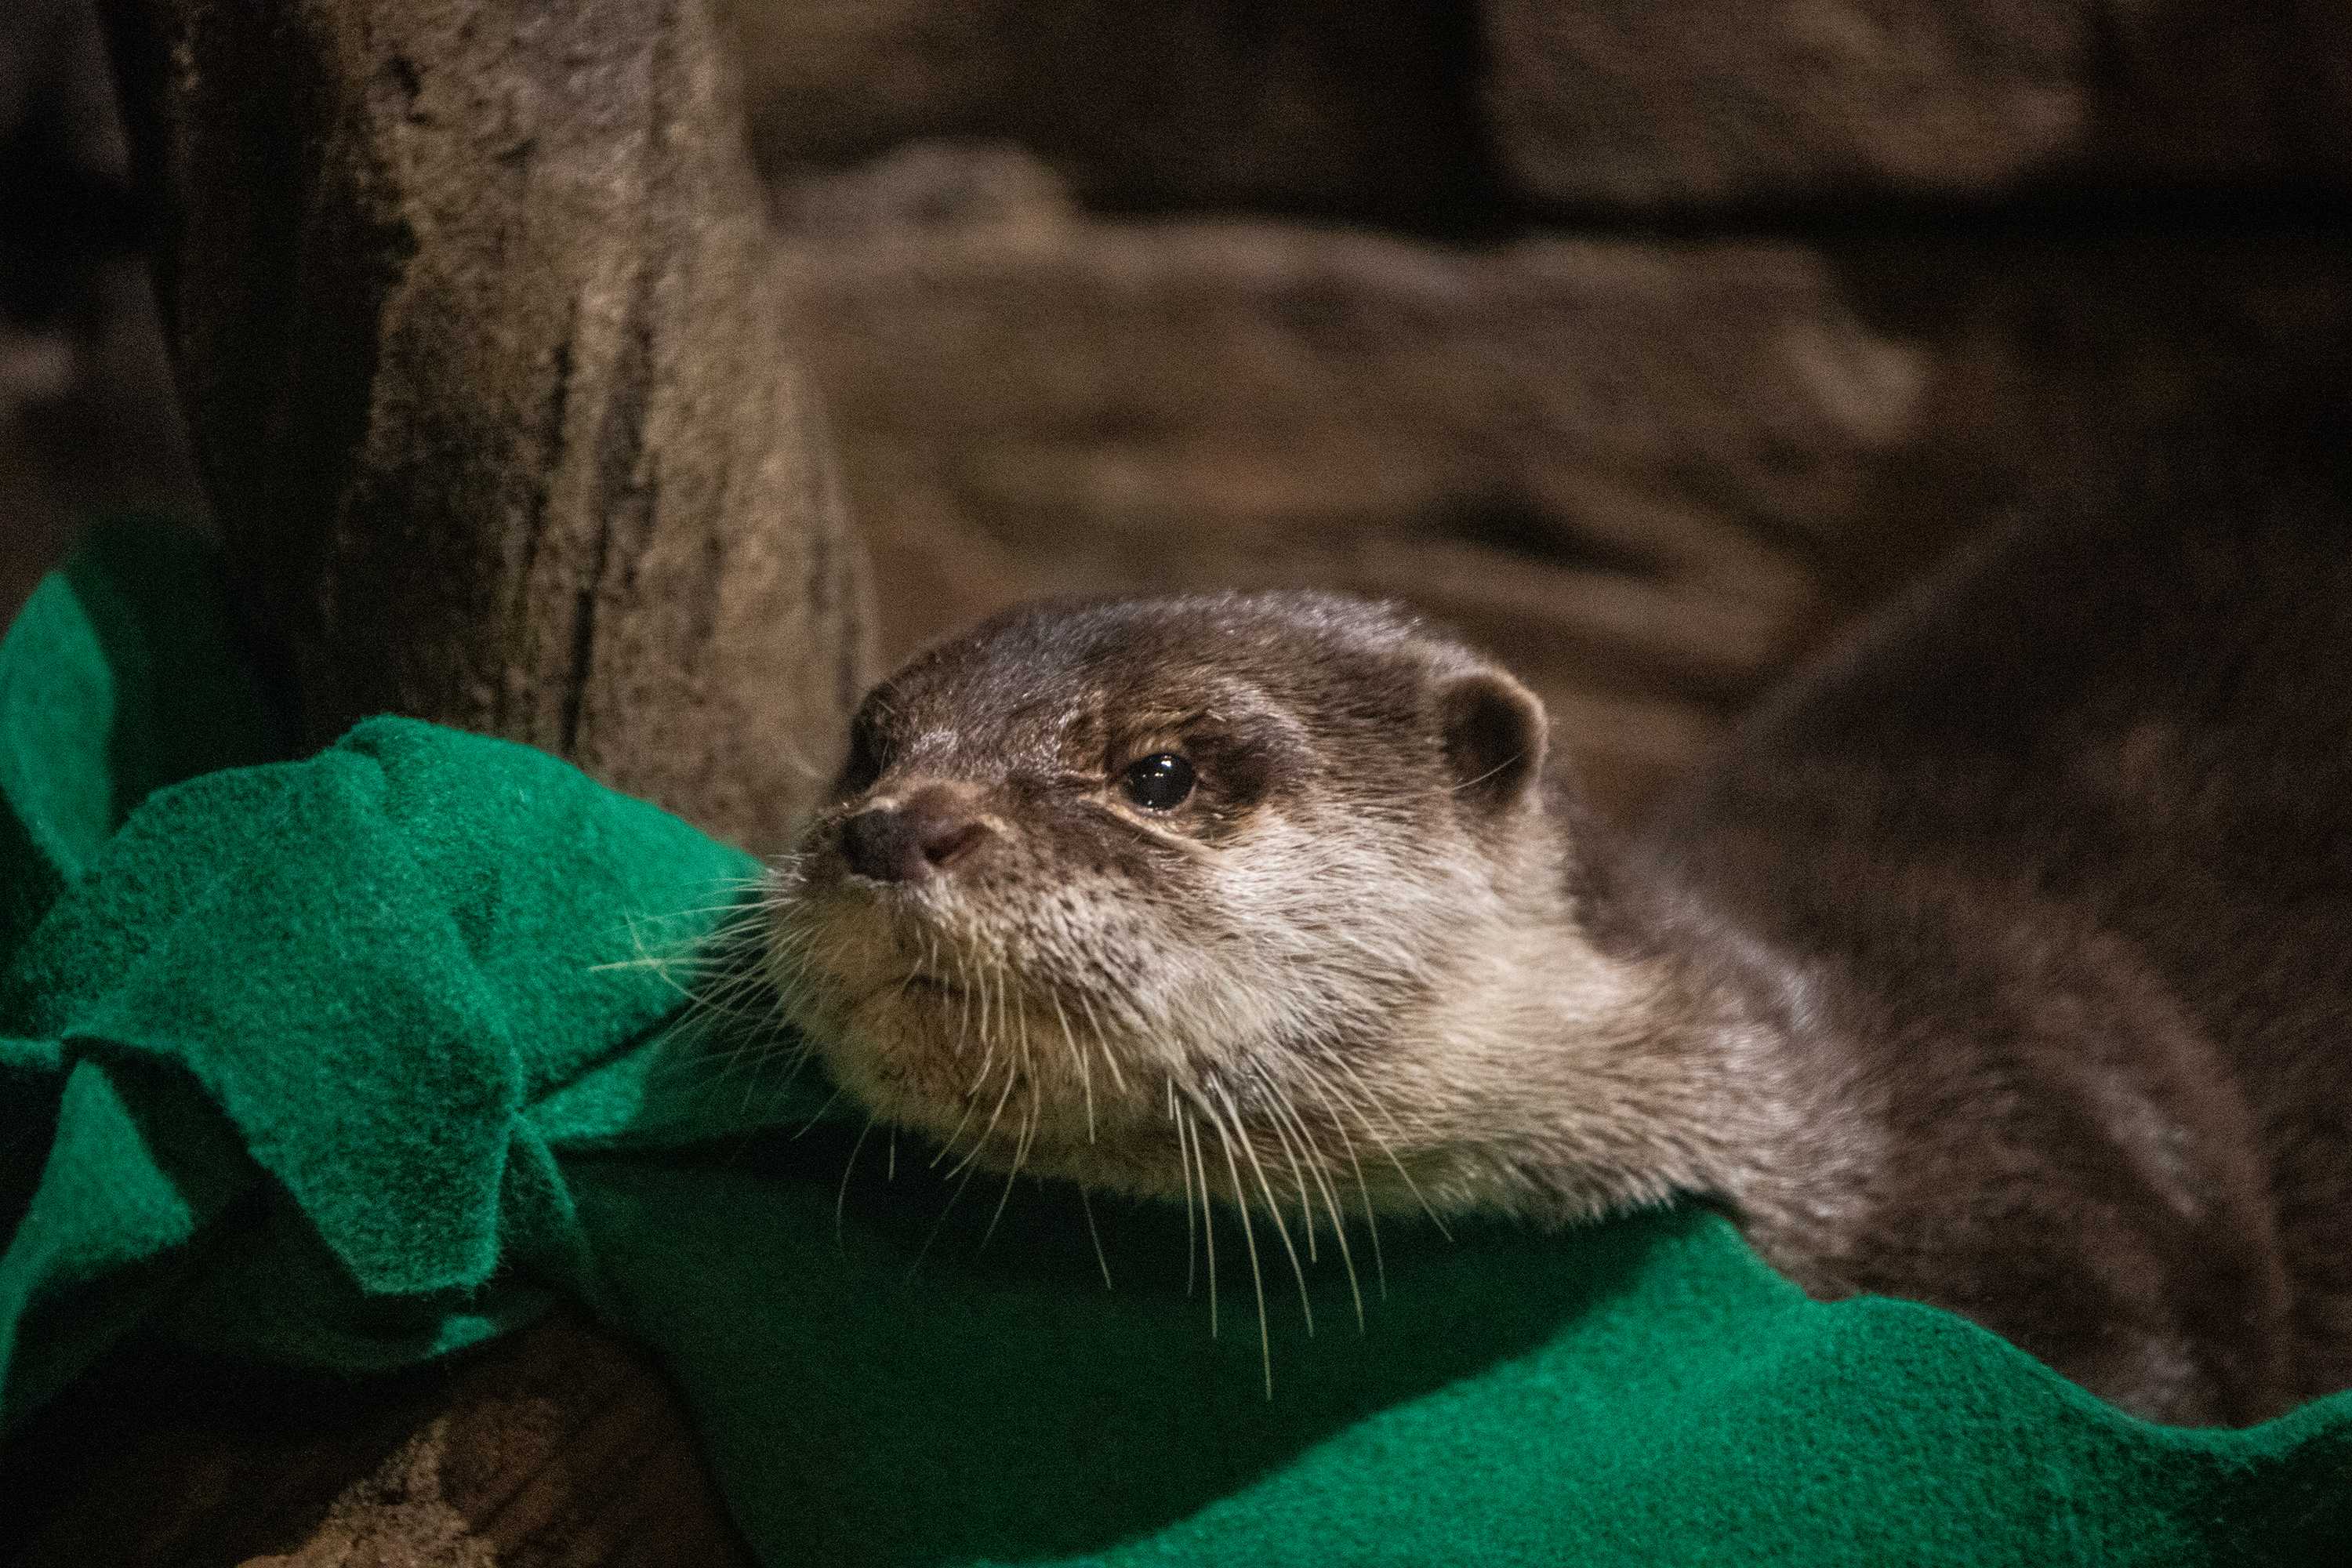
(1115, 890)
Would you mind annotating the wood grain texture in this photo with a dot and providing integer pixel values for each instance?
(475, 320)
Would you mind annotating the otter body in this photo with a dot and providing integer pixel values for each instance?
(2047, 886)
(2004, 962)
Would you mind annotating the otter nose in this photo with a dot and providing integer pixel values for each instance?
(928, 832)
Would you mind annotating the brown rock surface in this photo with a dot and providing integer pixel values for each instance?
(1442, 116)
(1727, 103)
(1365, 107)
(1648, 474)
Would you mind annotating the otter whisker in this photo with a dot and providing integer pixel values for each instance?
(707, 1007)
(927, 967)
(664, 968)
(660, 964)
(743, 919)
(964, 989)
(820, 1113)
(1020, 1007)
(1348, 1255)
(752, 1085)
(1184, 1175)
(940, 1224)
(1283, 1107)
(1085, 1073)
(687, 1053)
(1249, 1237)
(731, 976)
(1085, 1206)
(757, 1051)
(1249, 1148)
(734, 903)
(710, 1006)
(992, 1001)
(1363, 1188)
(905, 981)
(1385, 1146)
(739, 926)
(1275, 1106)
(987, 1060)
(1117, 1078)
(1020, 1154)
(841, 1196)
(1208, 1222)
(1012, 1076)
(970, 1100)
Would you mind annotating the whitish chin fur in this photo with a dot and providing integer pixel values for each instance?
(1534, 1087)
(1528, 1073)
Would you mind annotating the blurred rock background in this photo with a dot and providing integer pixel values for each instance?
(1646, 342)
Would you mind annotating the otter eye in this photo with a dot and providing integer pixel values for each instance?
(1159, 782)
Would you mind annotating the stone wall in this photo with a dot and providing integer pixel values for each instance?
(1647, 342)
(1755, 103)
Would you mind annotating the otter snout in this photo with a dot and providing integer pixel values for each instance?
(922, 834)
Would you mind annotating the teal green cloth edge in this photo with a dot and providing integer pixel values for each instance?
(353, 1061)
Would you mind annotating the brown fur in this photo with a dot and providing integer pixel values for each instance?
(2004, 963)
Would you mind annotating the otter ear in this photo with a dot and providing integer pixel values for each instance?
(1495, 734)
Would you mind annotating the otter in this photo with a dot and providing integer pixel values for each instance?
(2002, 962)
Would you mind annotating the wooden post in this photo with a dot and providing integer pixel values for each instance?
(473, 308)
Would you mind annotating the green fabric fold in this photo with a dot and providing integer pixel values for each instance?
(356, 1060)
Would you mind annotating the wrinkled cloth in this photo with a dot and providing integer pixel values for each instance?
(352, 1061)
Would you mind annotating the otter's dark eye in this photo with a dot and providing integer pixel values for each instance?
(1159, 782)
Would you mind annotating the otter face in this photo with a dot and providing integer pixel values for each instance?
(1099, 878)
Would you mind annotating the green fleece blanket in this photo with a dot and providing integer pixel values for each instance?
(355, 1060)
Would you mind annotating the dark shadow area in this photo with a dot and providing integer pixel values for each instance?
(187, 702)
(2067, 356)
(2058, 208)
(1334, 110)
(136, 1420)
(163, 1455)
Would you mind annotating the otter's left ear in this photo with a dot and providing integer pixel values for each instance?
(1494, 730)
